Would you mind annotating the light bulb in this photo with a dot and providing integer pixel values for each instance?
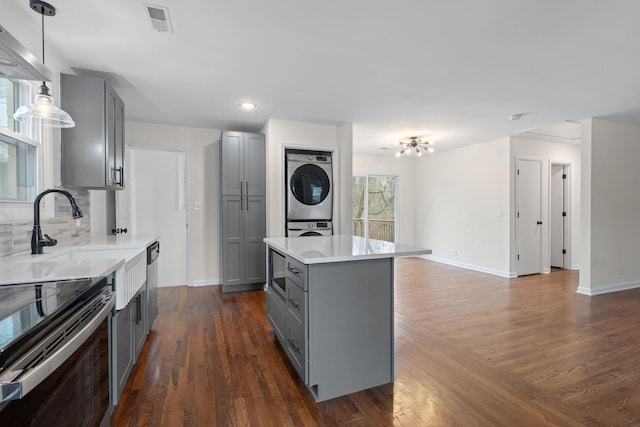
(399, 153)
(419, 153)
(430, 150)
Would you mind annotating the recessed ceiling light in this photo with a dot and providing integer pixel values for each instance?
(248, 105)
(516, 116)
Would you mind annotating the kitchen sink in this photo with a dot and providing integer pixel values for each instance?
(90, 254)
(129, 278)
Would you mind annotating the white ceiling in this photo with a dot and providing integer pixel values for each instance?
(450, 70)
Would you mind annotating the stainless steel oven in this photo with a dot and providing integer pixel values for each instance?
(54, 353)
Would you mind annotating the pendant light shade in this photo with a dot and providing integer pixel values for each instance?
(43, 112)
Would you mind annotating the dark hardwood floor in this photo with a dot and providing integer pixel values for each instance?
(471, 349)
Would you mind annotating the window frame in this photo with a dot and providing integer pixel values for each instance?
(44, 140)
(37, 174)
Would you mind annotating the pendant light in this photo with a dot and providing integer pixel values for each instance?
(43, 111)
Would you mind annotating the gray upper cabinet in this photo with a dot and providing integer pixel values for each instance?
(93, 150)
(243, 161)
(243, 211)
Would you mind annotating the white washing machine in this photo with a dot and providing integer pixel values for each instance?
(309, 186)
(315, 228)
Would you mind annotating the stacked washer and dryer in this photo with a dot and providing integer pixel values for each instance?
(309, 201)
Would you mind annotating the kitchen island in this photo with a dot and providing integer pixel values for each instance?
(330, 304)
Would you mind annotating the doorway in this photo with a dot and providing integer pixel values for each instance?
(559, 215)
(159, 206)
(529, 216)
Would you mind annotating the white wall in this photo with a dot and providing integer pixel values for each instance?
(404, 169)
(611, 232)
(281, 134)
(548, 153)
(463, 206)
(203, 158)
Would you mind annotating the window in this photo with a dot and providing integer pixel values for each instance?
(18, 154)
(18, 169)
(8, 103)
(374, 207)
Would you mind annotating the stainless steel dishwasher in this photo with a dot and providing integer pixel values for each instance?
(153, 252)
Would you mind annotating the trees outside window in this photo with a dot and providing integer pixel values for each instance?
(374, 206)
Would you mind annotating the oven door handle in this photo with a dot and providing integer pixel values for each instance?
(18, 382)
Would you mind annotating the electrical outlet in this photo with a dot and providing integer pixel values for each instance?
(78, 222)
(197, 206)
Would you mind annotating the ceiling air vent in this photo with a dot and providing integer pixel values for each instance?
(159, 18)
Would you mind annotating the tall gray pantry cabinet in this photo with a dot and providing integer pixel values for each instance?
(243, 211)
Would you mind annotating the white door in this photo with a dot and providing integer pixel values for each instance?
(123, 197)
(159, 208)
(558, 216)
(528, 217)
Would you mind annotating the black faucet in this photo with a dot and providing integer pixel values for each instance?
(37, 241)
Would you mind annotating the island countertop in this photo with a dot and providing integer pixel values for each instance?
(326, 249)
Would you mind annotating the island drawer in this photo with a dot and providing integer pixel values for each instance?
(297, 272)
(297, 302)
(276, 312)
(297, 346)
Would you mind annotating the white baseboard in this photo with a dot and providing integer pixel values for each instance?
(205, 282)
(495, 272)
(616, 287)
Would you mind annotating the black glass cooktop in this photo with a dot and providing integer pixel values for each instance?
(28, 311)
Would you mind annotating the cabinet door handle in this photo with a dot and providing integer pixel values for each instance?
(294, 270)
(247, 194)
(293, 346)
(293, 303)
(241, 197)
(138, 309)
(120, 172)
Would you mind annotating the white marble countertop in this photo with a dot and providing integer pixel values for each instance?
(325, 249)
(53, 265)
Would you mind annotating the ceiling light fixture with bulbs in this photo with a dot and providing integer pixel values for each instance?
(44, 111)
(415, 143)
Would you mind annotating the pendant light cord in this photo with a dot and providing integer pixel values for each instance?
(42, 15)
(43, 62)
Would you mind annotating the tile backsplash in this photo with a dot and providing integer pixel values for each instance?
(15, 236)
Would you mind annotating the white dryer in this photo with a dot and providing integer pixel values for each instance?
(309, 186)
(302, 229)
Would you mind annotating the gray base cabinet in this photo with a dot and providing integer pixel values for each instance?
(121, 351)
(128, 334)
(335, 323)
(139, 321)
(93, 150)
(243, 211)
